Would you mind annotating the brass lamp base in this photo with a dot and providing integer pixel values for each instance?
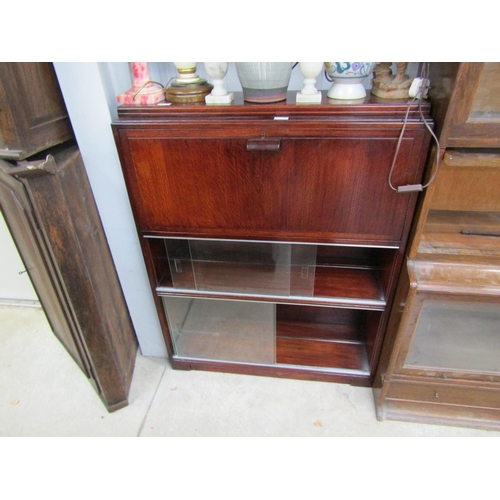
(192, 92)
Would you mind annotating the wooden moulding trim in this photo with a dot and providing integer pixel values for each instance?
(431, 413)
(474, 159)
(354, 377)
(371, 107)
(455, 277)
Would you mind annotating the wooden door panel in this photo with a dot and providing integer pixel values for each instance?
(339, 187)
(17, 210)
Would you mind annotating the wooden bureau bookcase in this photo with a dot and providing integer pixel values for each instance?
(270, 234)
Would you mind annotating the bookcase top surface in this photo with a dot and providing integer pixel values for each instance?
(371, 107)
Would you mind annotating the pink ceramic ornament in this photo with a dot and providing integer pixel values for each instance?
(144, 91)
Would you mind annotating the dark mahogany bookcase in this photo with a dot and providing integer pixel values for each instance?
(270, 233)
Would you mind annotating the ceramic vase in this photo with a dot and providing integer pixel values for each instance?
(264, 81)
(348, 79)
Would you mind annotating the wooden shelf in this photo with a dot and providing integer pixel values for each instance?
(319, 331)
(323, 345)
(348, 282)
(323, 337)
(321, 353)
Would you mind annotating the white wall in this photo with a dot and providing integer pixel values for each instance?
(87, 89)
(15, 285)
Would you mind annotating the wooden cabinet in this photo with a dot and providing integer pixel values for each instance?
(270, 233)
(47, 202)
(50, 210)
(440, 359)
(33, 115)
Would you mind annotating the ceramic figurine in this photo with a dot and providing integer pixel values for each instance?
(389, 86)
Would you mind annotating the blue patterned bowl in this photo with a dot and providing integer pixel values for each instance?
(347, 79)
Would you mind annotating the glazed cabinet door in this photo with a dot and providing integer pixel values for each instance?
(466, 103)
(454, 335)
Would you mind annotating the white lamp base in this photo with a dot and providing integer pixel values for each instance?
(309, 98)
(219, 99)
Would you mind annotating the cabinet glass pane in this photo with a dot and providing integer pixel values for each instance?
(457, 335)
(222, 330)
(252, 268)
(275, 269)
(486, 105)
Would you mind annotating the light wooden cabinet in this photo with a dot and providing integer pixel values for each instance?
(439, 362)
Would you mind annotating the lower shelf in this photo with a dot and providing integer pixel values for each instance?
(270, 334)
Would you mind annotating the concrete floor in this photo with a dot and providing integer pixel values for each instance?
(43, 393)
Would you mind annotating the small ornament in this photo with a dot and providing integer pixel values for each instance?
(219, 95)
(389, 86)
(309, 94)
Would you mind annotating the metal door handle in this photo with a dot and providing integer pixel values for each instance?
(263, 144)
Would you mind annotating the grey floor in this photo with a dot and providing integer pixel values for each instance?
(43, 393)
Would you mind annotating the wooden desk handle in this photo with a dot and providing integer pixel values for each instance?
(263, 144)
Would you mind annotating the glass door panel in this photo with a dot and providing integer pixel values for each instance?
(251, 268)
(486, 105)
(273, 269)
(222, 330)
(303, 270)
(241, 267)
(457, 336)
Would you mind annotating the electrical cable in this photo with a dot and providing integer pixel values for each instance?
(420, 96)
